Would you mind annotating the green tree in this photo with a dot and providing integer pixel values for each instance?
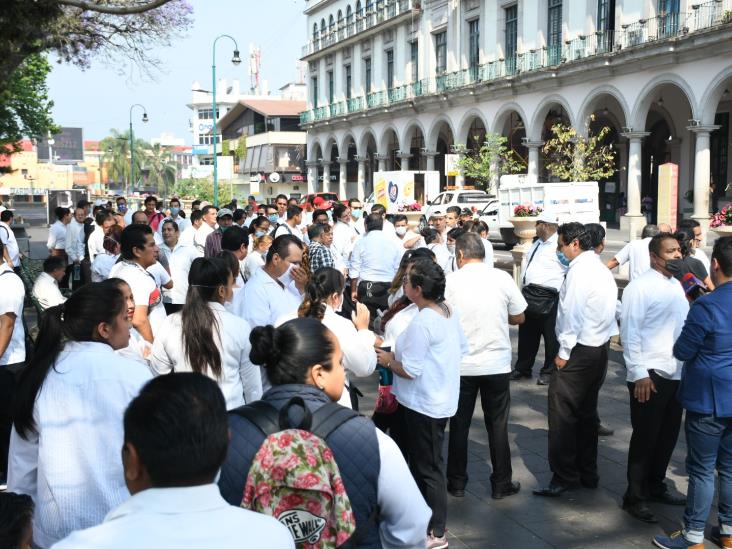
(493, 159)
(161, 167)
(116, 150)
(200, 188)
(573, 157)
(25, 109)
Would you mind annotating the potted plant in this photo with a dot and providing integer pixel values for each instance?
(524, 222)
(721, 222)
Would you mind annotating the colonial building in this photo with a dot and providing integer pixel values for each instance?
(397, 84)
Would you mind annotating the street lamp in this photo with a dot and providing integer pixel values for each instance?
(235, 60)
(132, 145)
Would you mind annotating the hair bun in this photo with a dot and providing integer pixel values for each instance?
(264, 351)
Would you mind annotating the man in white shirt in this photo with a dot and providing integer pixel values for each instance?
(406, 238)
(540, 268)
(585, 324)
(187, 235)
(635, 252)
(45, 288)
(11, 251)
(693, 226)
(12, 334)
(276, 289)
(452, 218)
(355, 208)
(103, 221)
(207, 227)
(344, 235)
(294, 218)
(179, 258)
(56, 243)
(281, 206)
(653, 313)
(175, 440)
(388, 225)
(374, 262)
(75, 238)
(175, 211)
(487, 301)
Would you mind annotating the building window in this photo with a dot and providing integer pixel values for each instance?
(315, 32)
(331, 94)
(414, 59)
(315, 91)
(389, 69)
(554, 32)
(474, 45)
(668, 17)
(441, 52)
(347, 70)
(367, 74)
(605, 24)
(511, 37)
(205, 139)
(205, 114)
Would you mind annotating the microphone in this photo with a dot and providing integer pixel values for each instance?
(693, 287)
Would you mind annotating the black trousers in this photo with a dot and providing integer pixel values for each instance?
(424, 439)
(530, 334)
(8, 376)
(656, 425)
(495, 399)
(572, 398)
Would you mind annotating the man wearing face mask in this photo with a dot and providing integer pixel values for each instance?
(406, 238)
(276, 289)
(175, 215)
(357, 218)
(225, 219)
(178, 257)
(273, 218)
(585, 324)
(653, 312)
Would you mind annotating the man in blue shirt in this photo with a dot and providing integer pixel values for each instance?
(705, 346)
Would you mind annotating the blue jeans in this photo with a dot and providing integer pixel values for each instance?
(709, 445)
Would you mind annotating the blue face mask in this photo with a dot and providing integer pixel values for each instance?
(259, 234)
(122, 208)
(356, 213)
(563, 259)
(174, 211)
(273, 218)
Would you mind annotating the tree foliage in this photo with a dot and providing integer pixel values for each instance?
(25, 109)
(116, 149)
(493, 159)
(200, 188)
(573, 157)
(161, 168)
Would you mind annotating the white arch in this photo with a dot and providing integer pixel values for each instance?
(499, 120)
(345, 140)
(645, 98)
(586, 110)
(382, 143)
(534, 131)
(466, 122)
(330, 141)
(405, 139)
(315, 149)
(363, 139)
(434, 132)
(712, 95)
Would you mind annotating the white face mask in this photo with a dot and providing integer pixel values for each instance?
(401, 231)
(451, 248)
(286, 278)
(339, 307)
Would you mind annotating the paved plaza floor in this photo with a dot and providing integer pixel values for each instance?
(578, 519)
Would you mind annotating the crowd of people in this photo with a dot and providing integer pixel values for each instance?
(221, 349)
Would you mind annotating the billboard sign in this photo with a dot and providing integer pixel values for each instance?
(68, 146)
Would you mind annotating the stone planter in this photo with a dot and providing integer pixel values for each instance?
(723, 230)
(524, 228)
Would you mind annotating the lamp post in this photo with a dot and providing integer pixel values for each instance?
(235, 60)
(132, 145)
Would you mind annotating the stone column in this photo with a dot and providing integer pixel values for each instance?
(701, 175)
(326, 176)
(633, 219)
(430, 156)
(382, 158)
(312, 166)
(361, 176)
(404, 157)
(532, 172)
(342, 177)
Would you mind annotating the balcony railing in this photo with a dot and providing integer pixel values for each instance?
(377, 14)
(643, 32)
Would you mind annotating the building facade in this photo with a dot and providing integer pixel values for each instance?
(398, 84)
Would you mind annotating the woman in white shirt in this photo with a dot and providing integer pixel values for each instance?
(323, 300)
(138, 349)
(69, 404)
(426, 369)
(255, 258)
(103, 263)
(207, 339)
(434, 242)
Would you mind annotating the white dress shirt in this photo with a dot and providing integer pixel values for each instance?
(186, 237)
(701, 255)
(47, 292)
(240, 380)
(268, 299)
(7, 236)
(343, 237)
(653, 313)
(199, 239)
(285, 228)
(442, 256)
(192, 517)
(102, 266)
(431, 350)
(12, 296)
(95, 244)
(75, 241)
(587, 304)
(398, 324)
(375, 257)
(72, 467)
(145, 291)
(543, 267)
(179, 260)
(636, 252)
(182, 222)
(253, 262)
(56, 236)
(484, 297)
(489, 258)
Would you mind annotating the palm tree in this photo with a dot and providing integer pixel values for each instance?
(162, 170)
(116, 149)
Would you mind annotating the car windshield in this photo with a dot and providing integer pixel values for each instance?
(472, 198)
(490, 207)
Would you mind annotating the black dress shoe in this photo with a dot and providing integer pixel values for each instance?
(506, 491)
(550, 490)
(668, 498)
(516, 375)
(640, 511)
(456, 492)
(604, 431)
(590, 484)
(543, 380)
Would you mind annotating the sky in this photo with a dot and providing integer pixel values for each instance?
(99, 98)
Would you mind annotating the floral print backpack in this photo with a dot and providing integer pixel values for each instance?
(294, 477)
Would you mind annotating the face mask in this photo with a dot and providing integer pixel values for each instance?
(286, 278)
(339, 308)
(273, 218)
(223, 229)
(174, 212)
(451, 249)
(562, 258)
(259, 234)
(674, 266)
(356, 214)
(122, 208)
(330, 216)
(401, 231)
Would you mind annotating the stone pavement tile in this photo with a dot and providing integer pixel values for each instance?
(511, 536)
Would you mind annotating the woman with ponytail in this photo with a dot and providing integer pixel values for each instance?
(68, 409)
(103, 263)
(207, 339)
(323, 300)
